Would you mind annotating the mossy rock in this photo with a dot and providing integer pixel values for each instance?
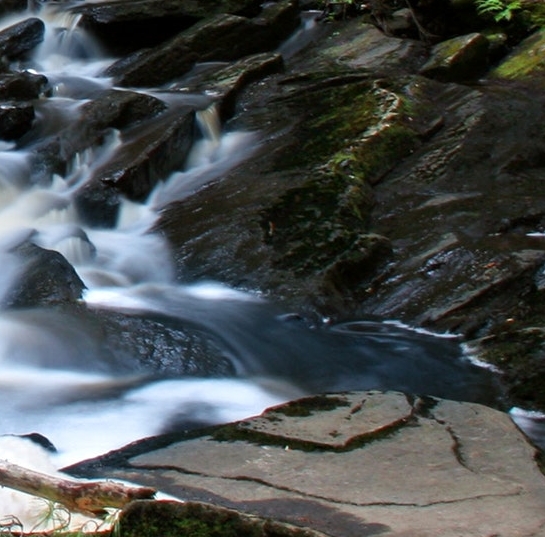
(458, 59)
(533, 13)
(196, 519)
(526, 61)
(356, 130)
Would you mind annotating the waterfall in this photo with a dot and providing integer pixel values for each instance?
(57, 374)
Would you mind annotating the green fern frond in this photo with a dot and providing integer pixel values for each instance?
(498, 9)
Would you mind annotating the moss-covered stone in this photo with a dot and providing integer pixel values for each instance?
(527, 60)
(196, 519)
(458, 59)
(533, 13)
(356, 131)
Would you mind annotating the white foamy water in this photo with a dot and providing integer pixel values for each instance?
(39, 388)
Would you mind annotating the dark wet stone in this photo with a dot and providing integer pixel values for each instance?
(153, 67)
(98, 204)
(47, 278)
(12, 6)
(222, 37)
(21, 85)
(21, 38)
(128, 26)
(113, 109)
(15, 120)
(226, 84)
(150, 154)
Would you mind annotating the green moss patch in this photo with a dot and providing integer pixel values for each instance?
(355, 131)
(308, 405)
(195, 519)
(527, 60)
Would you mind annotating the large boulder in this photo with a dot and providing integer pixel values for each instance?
(350, 464)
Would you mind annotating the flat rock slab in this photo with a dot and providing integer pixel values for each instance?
(333, 421)
(362, 463)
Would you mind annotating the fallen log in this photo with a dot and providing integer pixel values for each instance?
(90, 498)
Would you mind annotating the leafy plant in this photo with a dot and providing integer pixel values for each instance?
(499, 10)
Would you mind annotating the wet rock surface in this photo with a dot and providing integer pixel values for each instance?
(358, 463)
(21, 38)
(378, 191)
(47, 278)
(378, 187)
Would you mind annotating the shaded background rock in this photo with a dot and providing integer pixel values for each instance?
(222, 37)
(128, 26)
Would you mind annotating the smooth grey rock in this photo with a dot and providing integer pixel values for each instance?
(399, 467)
(371, 414)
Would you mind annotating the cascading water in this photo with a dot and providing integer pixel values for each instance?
(54, 376)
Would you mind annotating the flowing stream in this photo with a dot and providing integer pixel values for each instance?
(54, 376)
